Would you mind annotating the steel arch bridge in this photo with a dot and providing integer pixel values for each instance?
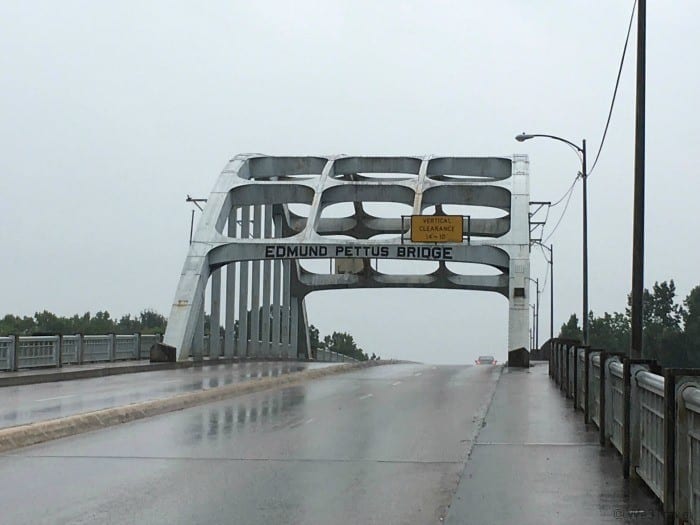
(249, 243)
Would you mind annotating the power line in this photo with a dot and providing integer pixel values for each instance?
(567, 195)
(556, 203)
(617, 84)
(566, 207)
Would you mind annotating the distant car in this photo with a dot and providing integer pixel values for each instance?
(486, 360)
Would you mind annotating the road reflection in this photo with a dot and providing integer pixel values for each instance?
(273, 410)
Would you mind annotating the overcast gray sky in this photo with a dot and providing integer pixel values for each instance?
(111, 112)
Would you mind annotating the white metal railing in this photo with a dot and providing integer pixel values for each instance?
(582, 390)
(616, 402)
(570, 357)
(25, 352)
(691, 402)
(43, 351)
(6, 352)
(643, 444)
(594, 388)
(651, 419)
(333, 357)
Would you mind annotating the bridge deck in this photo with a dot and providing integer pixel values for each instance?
(535, 462)
(32, 403)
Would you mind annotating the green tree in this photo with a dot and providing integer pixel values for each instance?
(314, 338)
(571, 329)
(343, 343)
(612, 332)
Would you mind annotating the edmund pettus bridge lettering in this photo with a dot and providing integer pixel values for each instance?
(436, 253)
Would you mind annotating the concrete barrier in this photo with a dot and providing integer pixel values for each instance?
(40, 432)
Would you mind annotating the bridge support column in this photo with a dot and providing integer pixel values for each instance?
(242, 346)
(276, 336)
(254, 329)
(230, 320)
(198, 338)
(286, 308)
(518, 308)
(266, 347)
(304, 344)
(519, 252)
(215, 317)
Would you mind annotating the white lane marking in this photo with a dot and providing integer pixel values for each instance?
(417, 374)
(366, 396)
(54, 398)
(169, 381)
(433, 367)
(310, 420)
(396, 383)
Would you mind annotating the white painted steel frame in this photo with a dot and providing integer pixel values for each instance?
(253, 183)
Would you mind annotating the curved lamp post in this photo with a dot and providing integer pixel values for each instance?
(582, 150)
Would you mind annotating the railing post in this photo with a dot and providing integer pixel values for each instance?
(684, 489)
(12, 353)
(79, 351)
(669, 481)
(672, 380)
(630, 430)
(575, 393)
(626, 416)
(601, 398)
(137, 345)
(586, 379)
(59, 351)
(112, 346)
(566, 370)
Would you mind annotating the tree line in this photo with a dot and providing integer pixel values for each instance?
(48, 323)
(147, 322)
(671, 329)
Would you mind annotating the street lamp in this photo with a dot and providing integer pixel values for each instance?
(536, 320)
(582, 150)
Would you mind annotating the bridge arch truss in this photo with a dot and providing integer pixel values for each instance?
(266, 214)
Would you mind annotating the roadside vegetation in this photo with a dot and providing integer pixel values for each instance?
(147, 322)
(671, 328)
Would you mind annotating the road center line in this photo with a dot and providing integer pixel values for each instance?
(54, 398)
(396, 383)
(366, 396)
(418, 374)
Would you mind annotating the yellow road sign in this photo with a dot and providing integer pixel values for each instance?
(436, 228)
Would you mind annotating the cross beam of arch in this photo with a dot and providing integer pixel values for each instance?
(266, 215)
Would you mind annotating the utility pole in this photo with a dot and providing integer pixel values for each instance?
(537, 317)
(638, 228)
(551, 292)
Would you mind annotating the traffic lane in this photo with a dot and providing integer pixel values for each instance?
(322, 452)
(40, 402)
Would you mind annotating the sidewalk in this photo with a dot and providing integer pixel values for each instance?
(536, 463)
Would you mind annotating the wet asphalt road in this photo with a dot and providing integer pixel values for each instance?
(39, 402)
(380, 445)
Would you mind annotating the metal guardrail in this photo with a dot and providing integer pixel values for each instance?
(594, 388)
(616, 394)
(653, 420)
(26, 352)
(691, 401)
(333, 357)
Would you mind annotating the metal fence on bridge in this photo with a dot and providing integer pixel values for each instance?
(26, 352)
(649, 415)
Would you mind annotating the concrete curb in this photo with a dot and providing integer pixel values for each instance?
(40, 432)
(52, 375)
